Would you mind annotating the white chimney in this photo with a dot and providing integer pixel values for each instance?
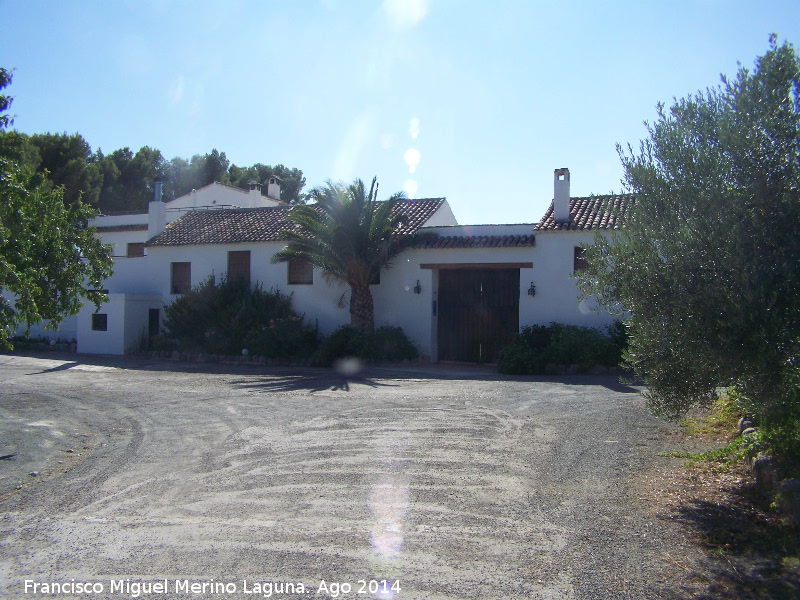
(274, 188)
(561, 195)
(156, 218)
(156, 211)
(255, 188)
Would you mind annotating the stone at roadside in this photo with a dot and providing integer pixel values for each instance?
(790, 495)
(744, 423)
(764, 470)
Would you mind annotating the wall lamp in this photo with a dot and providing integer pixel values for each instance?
(418, 288)
(532, 290)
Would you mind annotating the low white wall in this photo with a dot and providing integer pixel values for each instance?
(127, 319)
(111, 341)
(137, 318)
(67, 331)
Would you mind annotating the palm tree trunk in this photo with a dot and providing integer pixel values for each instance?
(362, 312)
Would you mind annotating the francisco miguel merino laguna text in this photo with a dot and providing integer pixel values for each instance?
(135, 589)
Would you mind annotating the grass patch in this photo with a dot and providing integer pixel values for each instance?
(753, 551)
(723, 458)
(721, 422)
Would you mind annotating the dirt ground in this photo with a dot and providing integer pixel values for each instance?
(129, 478)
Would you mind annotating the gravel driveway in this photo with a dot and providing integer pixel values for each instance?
(242, 482)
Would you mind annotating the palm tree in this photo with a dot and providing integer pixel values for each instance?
(351, 236)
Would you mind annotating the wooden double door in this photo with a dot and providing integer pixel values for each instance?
(478, 313)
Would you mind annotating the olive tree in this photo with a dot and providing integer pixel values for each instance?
(708, 266)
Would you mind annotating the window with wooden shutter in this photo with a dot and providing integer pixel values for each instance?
(181, 277)
(301, 272)
(239, 265)
(579, 263)
(99, 322)
(135, 250)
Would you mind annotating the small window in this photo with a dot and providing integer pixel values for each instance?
(153, 323)
(579, 263)
(239, 265)
(99, 322)
(181, 277)
(301, 272)
(135, 250)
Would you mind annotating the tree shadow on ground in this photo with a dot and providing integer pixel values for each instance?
(752, 554)
(372, 373)
(62, 367)
(308, 382)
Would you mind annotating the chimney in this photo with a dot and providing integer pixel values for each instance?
(274, 188)
(157, 189)
(255, 188)
(156, 212)
(561, 195)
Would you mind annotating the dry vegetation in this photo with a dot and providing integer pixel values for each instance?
(751, 550)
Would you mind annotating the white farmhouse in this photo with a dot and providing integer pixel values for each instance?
(459, 296)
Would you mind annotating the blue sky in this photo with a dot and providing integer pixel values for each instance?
(474, 101)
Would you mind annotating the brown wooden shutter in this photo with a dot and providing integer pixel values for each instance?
(135, 250)
(579, 263)
(181, 277)
(239, 265)
(301, 272)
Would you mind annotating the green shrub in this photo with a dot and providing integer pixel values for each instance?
(346, 341)
(519, 359)
(386, 343)
(391, 343)
(535, 337)
(536, 346)
(779, 427)
(227, 317)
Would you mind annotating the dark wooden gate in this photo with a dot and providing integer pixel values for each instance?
(478, 313)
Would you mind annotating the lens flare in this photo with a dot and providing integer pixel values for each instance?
(348, 366)
(389, 503)
(410, 187)
(412, 159)
(413, 129)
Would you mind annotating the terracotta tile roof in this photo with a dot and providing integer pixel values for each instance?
(417, 212)
(116, 228)
(476, 241)
(242, 225)
(592, 212)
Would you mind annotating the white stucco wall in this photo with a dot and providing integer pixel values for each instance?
(119, 240)
(395, 302)
(217, 195)
(127, 319)
(133, 276)
(111, 341)
(318, 301)
(556, 292)
(443, 216)
(67, 330)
